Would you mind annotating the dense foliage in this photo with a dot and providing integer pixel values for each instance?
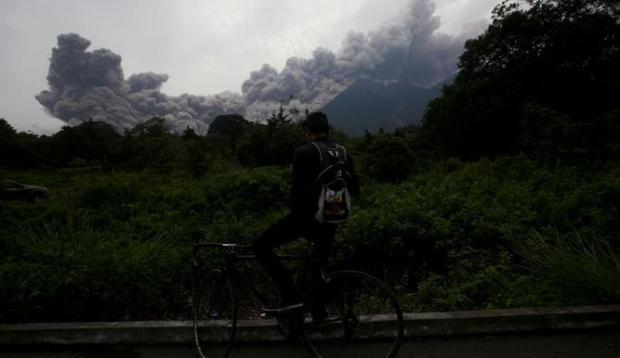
(538, 224)
(116, 245)
(151, 144)
(542, 79)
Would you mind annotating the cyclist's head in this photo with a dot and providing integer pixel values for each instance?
(316, 125)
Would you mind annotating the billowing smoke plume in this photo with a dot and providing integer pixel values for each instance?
(412, 51)
(87, 85)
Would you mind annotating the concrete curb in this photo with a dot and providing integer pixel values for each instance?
(417, 325)
(507, 321)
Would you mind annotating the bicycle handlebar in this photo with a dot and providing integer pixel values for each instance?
(217, 244)
(214, 244)
(237, 246)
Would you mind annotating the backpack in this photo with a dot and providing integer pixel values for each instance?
(334, 201)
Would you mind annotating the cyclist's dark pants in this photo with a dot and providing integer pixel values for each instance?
(286, 230)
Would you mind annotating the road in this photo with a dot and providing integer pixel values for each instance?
(584, 344)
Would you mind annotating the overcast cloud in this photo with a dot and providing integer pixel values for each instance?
(208, 47)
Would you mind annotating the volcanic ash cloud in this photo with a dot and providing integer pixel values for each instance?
(85, 85)
(90, 85)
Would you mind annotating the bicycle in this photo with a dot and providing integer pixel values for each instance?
(338, 307)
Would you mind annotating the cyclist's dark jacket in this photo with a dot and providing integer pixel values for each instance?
(306, 167)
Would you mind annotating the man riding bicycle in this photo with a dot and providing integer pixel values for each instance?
(313, 163)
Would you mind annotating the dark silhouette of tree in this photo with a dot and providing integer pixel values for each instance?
(152, 144)
(198, 152)
(154, 127)
(88, 142)
(232, 126)
(189, 134)
(557, 56)
(272, 143)
(8, 143)
(389, 158)
(21, 149)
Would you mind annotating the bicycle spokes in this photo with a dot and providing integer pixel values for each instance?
(353, 306)
(214, 315)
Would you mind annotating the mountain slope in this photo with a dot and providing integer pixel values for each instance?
(370, 104)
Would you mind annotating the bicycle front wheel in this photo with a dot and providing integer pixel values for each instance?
(348, 309)
(215, 314)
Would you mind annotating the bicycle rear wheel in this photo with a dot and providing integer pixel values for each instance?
(215, 314)
(350, 307)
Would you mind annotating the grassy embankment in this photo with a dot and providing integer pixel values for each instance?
(495, 233)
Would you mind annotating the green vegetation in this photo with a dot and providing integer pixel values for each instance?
(456, 236)
(542, 79)
(580, 267)
(68, 270)
(507, 196)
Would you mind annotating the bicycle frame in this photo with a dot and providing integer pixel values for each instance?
(328, 306)
(232, 259)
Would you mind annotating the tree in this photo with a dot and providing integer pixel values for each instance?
(7, 142)
(22, 149)
(189, 134)
(152, 144)
(91, 141)
(389, 159)
(231, 125)
(273, 143)
(559, 55)
(153, 127)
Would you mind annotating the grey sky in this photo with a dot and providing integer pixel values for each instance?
(205, 46)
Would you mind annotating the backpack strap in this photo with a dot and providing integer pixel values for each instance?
(324, 164)
(344, 152)
(321, 147)
(320, 152)
(319, 177)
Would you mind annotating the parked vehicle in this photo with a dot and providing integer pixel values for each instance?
(14, 190)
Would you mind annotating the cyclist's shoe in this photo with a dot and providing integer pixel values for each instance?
(318, 313)
(290, 325)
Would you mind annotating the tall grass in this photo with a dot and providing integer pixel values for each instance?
(65, 269)
(582, 267)
(444, 237)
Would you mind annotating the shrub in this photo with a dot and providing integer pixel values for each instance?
(389, 159)
(67, 270)
(583, 268)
